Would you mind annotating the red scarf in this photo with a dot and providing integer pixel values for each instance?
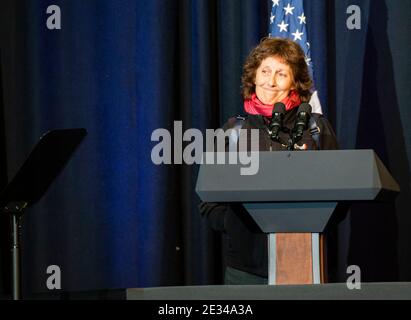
(255, 106)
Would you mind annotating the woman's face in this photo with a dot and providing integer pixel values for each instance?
(273, 80)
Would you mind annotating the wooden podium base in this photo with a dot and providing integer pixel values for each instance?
(299, 258)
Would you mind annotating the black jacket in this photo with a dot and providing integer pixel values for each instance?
(246, 244)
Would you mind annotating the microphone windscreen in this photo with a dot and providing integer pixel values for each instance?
(279, 107)
(305, 107)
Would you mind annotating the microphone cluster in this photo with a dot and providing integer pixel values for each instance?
(301, 124)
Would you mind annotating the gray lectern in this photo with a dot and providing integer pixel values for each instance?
(292, 198)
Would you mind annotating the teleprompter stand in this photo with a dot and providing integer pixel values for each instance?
(45, 162)
(293, 198)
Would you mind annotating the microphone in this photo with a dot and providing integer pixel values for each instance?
(301, 123)
(276, 123)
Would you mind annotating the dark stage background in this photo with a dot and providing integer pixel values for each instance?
(124, 68)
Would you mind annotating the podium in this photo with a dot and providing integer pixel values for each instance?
(45, 162)
(294, 197)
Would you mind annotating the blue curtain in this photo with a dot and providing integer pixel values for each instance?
(121, 69)
(372, 112)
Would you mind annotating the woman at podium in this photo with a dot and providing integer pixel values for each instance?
(274, 72)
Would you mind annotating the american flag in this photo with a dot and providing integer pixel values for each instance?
(288, 20)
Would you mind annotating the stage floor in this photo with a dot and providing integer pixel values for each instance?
(334, 291)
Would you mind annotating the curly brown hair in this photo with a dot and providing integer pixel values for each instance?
(287, 50)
